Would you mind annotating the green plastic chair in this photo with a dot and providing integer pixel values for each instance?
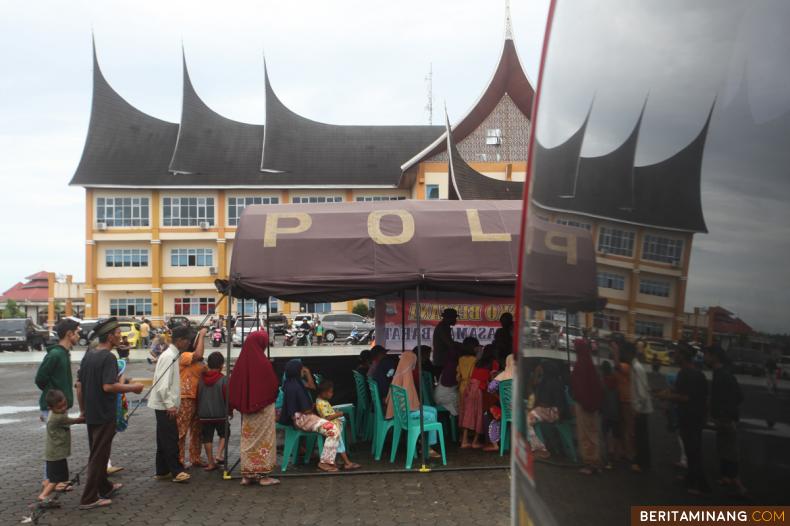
(427, 389)
(506, 402)
(565, 428)
(405, 422)
(291, 446)
(381, 425)
(365, 428)
(350, 412)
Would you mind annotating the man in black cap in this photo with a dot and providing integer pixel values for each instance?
(443, 338)
(503, 338)
(97, 390)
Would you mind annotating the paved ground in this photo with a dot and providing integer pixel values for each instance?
(441, 497)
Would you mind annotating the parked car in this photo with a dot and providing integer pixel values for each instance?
(86, 327)
(21, 334)
(340, 325)
(131, 330)
(574, 333)
(660, 350)
(278, 323)
(299, 318)
(237, 332)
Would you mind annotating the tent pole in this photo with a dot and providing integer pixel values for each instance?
(424, 468)
(229, 342)
(402, 321)
(257, 316)
(268, 329)
(567, 338)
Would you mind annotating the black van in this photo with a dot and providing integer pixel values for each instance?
(20, 334)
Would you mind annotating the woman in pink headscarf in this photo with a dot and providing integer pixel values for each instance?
(587, 391)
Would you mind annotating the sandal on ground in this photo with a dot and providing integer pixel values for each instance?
(433, 454)
(466, 446)
(329, 468)
(210, 467)
(490, 447)
(220, 461)
(182, 477)
(268, 481)
(246, 482)
(101, 503)
(114, 469)
(115, 489)
(64, 486)
(350, 466)
(163, 476)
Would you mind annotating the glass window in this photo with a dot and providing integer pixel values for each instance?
(654, 287)
(236, 206)
(187, 211)
(610, 280)
(317, 199)
(616, 241)
(368, 198)
(274, 306)
(122, 211)
(431, 191)
(662, 249)
(130, 306)
(193, 306)
(607, 322)
(573, 222)
(649, 328)
(126, 257)
(192, 257)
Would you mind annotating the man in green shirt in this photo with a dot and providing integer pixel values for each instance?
(55, 371)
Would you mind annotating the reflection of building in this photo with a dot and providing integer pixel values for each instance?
(45, 297)
(164, 199)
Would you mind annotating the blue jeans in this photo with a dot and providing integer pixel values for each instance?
(429, 416)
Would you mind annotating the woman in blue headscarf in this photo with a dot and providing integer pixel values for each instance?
(299, 412)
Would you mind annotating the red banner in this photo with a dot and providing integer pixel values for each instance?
(478, 317)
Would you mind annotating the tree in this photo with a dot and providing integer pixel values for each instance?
(361, 309)
(12, 310)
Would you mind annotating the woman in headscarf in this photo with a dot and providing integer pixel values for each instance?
(384, 371)
(299, 412)
(549, 405)
(493, 416)
(404, 378)
(587, 391)
(252, 391)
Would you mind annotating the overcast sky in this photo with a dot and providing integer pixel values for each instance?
(351, 62)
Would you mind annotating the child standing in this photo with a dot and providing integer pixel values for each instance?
(324, 409)
(58, 445)
(212, 405)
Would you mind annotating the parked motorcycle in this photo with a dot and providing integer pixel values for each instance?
(358, 337)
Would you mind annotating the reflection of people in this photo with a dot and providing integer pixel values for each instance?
(587, 390)
(443, 337)
(503, 338)
(252, 391)
(549, 402)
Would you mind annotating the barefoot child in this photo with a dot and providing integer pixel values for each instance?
(324, 409)
(58, 445)
(212, 393)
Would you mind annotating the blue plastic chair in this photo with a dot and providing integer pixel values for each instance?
(506, 402)
(405, 422)
(381, 425)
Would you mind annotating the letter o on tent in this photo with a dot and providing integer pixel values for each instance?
(379, 237)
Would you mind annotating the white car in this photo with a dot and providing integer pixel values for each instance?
(574, 333)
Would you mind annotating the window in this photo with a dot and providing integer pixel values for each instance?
(610, 280)
(274, 306)
(494, 136)
(126, 257)
(431, 191)
(317, 199)
(236, 206)
(616, 241)
(130, 306)
(192, 257)
(654, 287)
(606, 322)
(572, 222)
(193, 306)
(662, 249)
(319, 308)
(380, 198)
(649, 328)
(188, 211)
(122, 211)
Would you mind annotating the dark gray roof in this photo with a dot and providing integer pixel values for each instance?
(315, 153)
(664, 194)
(124, 146)
(467, 183)
(213, 149)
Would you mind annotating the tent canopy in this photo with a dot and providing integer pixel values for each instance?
(344, 251)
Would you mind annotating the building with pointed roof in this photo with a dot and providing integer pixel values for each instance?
(164, 199)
